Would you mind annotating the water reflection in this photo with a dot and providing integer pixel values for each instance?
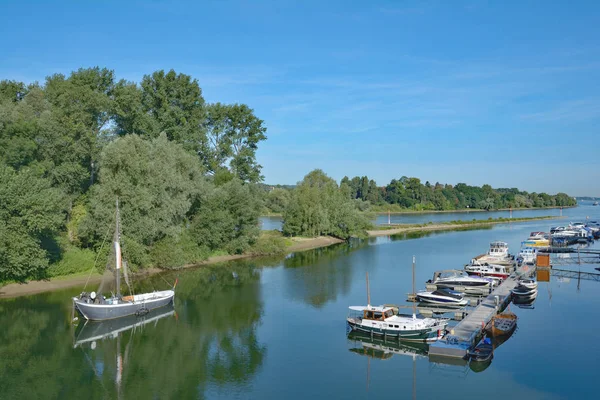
(211, 340)
(321, 275)
(89, 332)
(384, 349)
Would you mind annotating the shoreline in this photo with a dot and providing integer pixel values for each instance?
(470, 210)
(448, 227)
(13, 290)
(465, 210)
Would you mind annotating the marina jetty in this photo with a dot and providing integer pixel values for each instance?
(464, 335)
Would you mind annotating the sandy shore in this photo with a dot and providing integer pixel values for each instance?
(35, 287)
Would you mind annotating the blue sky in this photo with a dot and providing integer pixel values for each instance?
(502, 92)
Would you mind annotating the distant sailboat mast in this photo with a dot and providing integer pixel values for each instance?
(413, 288)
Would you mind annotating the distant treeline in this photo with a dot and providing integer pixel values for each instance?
(412, 195)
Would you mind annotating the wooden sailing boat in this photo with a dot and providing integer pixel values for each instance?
(97, 307)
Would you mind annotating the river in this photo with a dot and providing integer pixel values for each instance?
(274, 328)
(274, 222)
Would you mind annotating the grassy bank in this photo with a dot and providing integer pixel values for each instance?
(269, 243)
(448, 225)
(395, 209)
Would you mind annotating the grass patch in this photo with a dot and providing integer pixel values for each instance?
(462, 222)
(74, 260)
(269, 243)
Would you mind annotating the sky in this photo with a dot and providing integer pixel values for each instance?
(498, 92)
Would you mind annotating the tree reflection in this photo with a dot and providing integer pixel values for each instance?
(320, 275)
(210, 340)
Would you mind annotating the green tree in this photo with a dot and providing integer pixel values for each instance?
(156, 181)
(175, 103)
(31, 212)
(319, 207)
(232, 136)
(228, 218)
(277, 200)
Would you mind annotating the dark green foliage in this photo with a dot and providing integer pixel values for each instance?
(156, 182)
(232, 137)
(277, 200)
(31, 212)
(319, 207)
(269, 243)
(411, 194)
(228, 218)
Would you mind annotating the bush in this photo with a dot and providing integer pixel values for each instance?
(74, 260)
(270, 242)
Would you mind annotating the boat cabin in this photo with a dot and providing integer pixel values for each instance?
(374, 313)
(498, 249)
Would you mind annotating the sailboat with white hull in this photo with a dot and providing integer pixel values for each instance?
(98, 308)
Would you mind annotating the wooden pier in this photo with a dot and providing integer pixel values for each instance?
(464, 335)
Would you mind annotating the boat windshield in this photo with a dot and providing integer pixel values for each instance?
(447, 293)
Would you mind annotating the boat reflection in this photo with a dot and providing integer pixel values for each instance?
(91, 331)
(477, 366)
(525, 301)
(385, 349)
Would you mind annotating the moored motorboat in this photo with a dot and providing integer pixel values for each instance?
(497, 254)
(503, 324)
(487, 270)
(528, 283)
(484, 351)
(521, 290)
(443, 296)
(526, 254)
(381, 320)
(452, 278)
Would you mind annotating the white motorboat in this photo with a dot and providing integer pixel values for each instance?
(521, 291)
(444, 297)
(497, 254)
(451, 278)
(528, 283)
(487, 270)
(381, 320)
(527, 255)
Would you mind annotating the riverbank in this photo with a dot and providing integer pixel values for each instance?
(380, 211)
(294, 244)
(452, 225)
(68, 281)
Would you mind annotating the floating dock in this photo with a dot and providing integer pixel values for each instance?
(464, 335)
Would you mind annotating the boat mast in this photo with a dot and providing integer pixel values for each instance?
(368, 292)
(118, 252)
(413, 288)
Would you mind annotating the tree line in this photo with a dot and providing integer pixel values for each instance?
(410, 194)
(184, 170)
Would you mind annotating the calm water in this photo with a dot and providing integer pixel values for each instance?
(276, 329)
(269, 223)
